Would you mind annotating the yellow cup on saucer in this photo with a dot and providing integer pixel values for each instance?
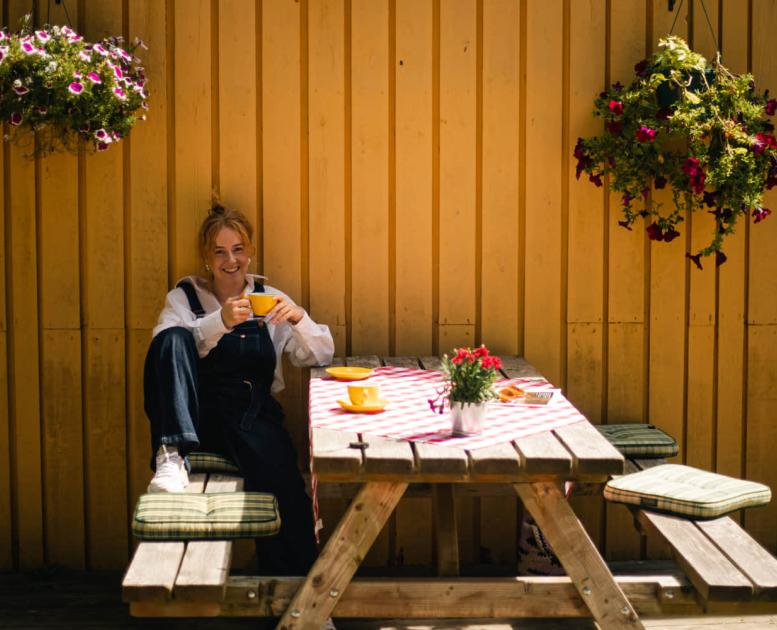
(363, 394)
(262, 303)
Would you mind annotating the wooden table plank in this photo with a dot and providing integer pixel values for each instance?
(542, 453)
(591, 453)
(205, 567)
(745, 552)
(338, 561)
(518, 367)
(333, 452)
(367, 361)
(712, 573)
(431, 363)
(405, 362)
(387, 456)
(432, 458)
(320, 372)
(578, 555)
(500, 459)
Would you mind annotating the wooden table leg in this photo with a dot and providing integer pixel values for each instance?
(445, 528)
(578, 555)
(346, 548)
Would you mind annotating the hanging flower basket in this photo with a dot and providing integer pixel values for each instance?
(67, 90)
(691, 126)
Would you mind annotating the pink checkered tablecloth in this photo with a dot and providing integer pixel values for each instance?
(408, 415)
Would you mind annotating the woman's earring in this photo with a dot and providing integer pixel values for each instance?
(207, 267)
(249, 260)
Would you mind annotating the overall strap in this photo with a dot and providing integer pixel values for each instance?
(191, 295)
(258, 287)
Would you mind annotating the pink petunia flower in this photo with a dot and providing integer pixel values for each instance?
(77, 75)
(16, 119)
(646, 134)
(102, 135)
(21, 89)
(68, 32)
(117, 72)
(759, 214)
(119, 93)
(771, 106)
(616, 107)
(100, 50)
(42, 36)
(43, 109)
(29, 48)
(3, 53)
(75, 87)
(84, 56)
(102, 146)
(3, 36)
(94, 77)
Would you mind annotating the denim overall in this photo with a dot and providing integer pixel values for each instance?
(222, 404)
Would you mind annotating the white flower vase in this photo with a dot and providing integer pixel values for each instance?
(467, 417)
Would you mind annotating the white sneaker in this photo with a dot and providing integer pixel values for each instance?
(170, 475)
(328, 625)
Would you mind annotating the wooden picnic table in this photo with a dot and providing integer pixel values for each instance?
(536, 466)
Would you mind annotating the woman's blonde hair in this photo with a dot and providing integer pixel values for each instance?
(220, 217)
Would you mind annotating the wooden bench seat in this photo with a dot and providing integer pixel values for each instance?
(722, 561)
(194, 571)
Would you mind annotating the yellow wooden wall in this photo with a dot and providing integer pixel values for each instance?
(407, 164)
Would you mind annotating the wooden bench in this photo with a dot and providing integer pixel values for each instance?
(196, 571)
(728, 568)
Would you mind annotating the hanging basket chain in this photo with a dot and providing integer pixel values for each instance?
(706, 15)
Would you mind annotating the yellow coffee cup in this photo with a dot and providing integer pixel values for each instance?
(262, 303)
(362, 394)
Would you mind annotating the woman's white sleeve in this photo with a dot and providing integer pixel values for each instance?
(207, 331)
(310, 343)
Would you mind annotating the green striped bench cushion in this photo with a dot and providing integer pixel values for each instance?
(201, 461)
(687, 491)
(219, 515)
(639, 440)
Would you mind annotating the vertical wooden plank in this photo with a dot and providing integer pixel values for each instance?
(24, 407)
(543, 191)
(761, 430)
(192, 181)
(458, 92)
(326, 125)
(61, 404)
(668, 298)
(147, 239)
(762, 314)
(414, 85)
(281, 144)
(105, 449)
(701, 319)
(626, 351)
(6, 514)
(501, 57)
(237, 105)
(369, 179)
(499, 312)
(23, 346)
(586, 203)
(104, 354)
(63, 445)
(731, 288)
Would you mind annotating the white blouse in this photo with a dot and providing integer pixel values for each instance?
(306, 342)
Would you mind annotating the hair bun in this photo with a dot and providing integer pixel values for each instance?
(217, 209)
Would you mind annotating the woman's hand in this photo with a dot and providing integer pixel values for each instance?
(235, 311)
(285, 311)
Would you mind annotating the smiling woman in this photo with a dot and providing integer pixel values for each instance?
(209, 377)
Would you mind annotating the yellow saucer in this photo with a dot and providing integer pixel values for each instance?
(374, 408)
(349, 373)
